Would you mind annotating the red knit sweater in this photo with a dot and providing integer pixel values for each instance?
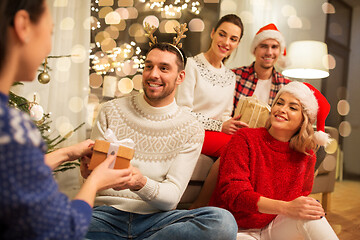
(255, 164)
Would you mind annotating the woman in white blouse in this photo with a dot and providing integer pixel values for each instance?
(208, 88)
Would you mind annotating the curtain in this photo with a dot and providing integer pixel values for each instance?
(65, 96)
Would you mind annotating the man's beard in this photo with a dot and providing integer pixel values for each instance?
(165, 93)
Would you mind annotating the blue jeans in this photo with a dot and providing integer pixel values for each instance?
(205, 223)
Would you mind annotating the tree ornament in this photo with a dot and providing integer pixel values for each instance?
(36, 111)
(44, 76)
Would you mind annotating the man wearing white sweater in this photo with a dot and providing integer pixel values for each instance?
(168, 143)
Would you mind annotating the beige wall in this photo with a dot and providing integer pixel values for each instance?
(351, 143)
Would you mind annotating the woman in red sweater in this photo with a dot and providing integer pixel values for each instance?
(266, 174)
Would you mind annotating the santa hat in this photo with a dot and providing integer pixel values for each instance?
(314, 104)
(270, 31)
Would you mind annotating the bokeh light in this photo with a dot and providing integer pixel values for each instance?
(60, 3)
(151, 20)
(125, 85)
(137, 80)
(67, 24)
(104, 11)
(121, 26)
(95, 80)
(332, 61)
(228, 6)
(196, 25)
(112, 18)
(109, 86)
(103, 3)
(345, 129)
(76, 104)
(125, 3)
(108, 44)
(288, 10)
(169, 26)
(133, 13)
(343, 107)
(328, 8)
(101, 36)
(247, 17)
(136, 30)
(112, 31)
(294, 22)
(124, 13)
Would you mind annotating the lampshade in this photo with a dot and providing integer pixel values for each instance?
(308, 60)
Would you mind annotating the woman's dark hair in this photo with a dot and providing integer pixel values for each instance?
(231, 18)
(8, 10)
(180, 55)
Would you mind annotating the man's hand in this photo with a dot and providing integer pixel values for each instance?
(232, 125)
(136, 182)
(84, 166)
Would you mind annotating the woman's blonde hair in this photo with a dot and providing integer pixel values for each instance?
(303, 140)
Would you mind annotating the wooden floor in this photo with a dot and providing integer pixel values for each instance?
(344, 213)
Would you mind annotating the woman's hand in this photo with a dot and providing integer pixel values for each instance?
(79, 150)
(232, 125)
(104, 177)
(306, 208)
(71, 153)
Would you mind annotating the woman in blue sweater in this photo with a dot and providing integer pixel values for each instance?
(31, 206)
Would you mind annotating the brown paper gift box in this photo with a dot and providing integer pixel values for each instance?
(101, 147)
(253, 111)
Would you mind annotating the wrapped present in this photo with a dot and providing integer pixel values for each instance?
(124, 150)
(253, 111)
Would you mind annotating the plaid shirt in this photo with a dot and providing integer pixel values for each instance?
(246, 80)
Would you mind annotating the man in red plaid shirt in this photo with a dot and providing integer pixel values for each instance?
(260, 78)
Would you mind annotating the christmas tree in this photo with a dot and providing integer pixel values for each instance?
(42, 121)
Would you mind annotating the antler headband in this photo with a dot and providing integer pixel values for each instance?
(180, 30)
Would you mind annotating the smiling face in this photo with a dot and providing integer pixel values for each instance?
(161, 77)
(267, 53)
(225, 39)
(286, 116)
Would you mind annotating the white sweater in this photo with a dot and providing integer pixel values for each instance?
(168, 144)
(207, 91)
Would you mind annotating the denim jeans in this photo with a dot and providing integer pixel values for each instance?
(205, 223)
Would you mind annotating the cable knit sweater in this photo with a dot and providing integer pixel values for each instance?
(208, 92)
(168, 143)
(255, 164)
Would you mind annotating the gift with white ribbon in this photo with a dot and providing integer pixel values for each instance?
(123, 149)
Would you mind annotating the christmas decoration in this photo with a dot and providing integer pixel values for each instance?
(44, 76)
(36, 111)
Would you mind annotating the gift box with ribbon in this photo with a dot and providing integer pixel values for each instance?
(124, 151)
(253, 111)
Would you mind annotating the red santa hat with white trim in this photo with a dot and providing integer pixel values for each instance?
(270, 31)
(314, 104)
